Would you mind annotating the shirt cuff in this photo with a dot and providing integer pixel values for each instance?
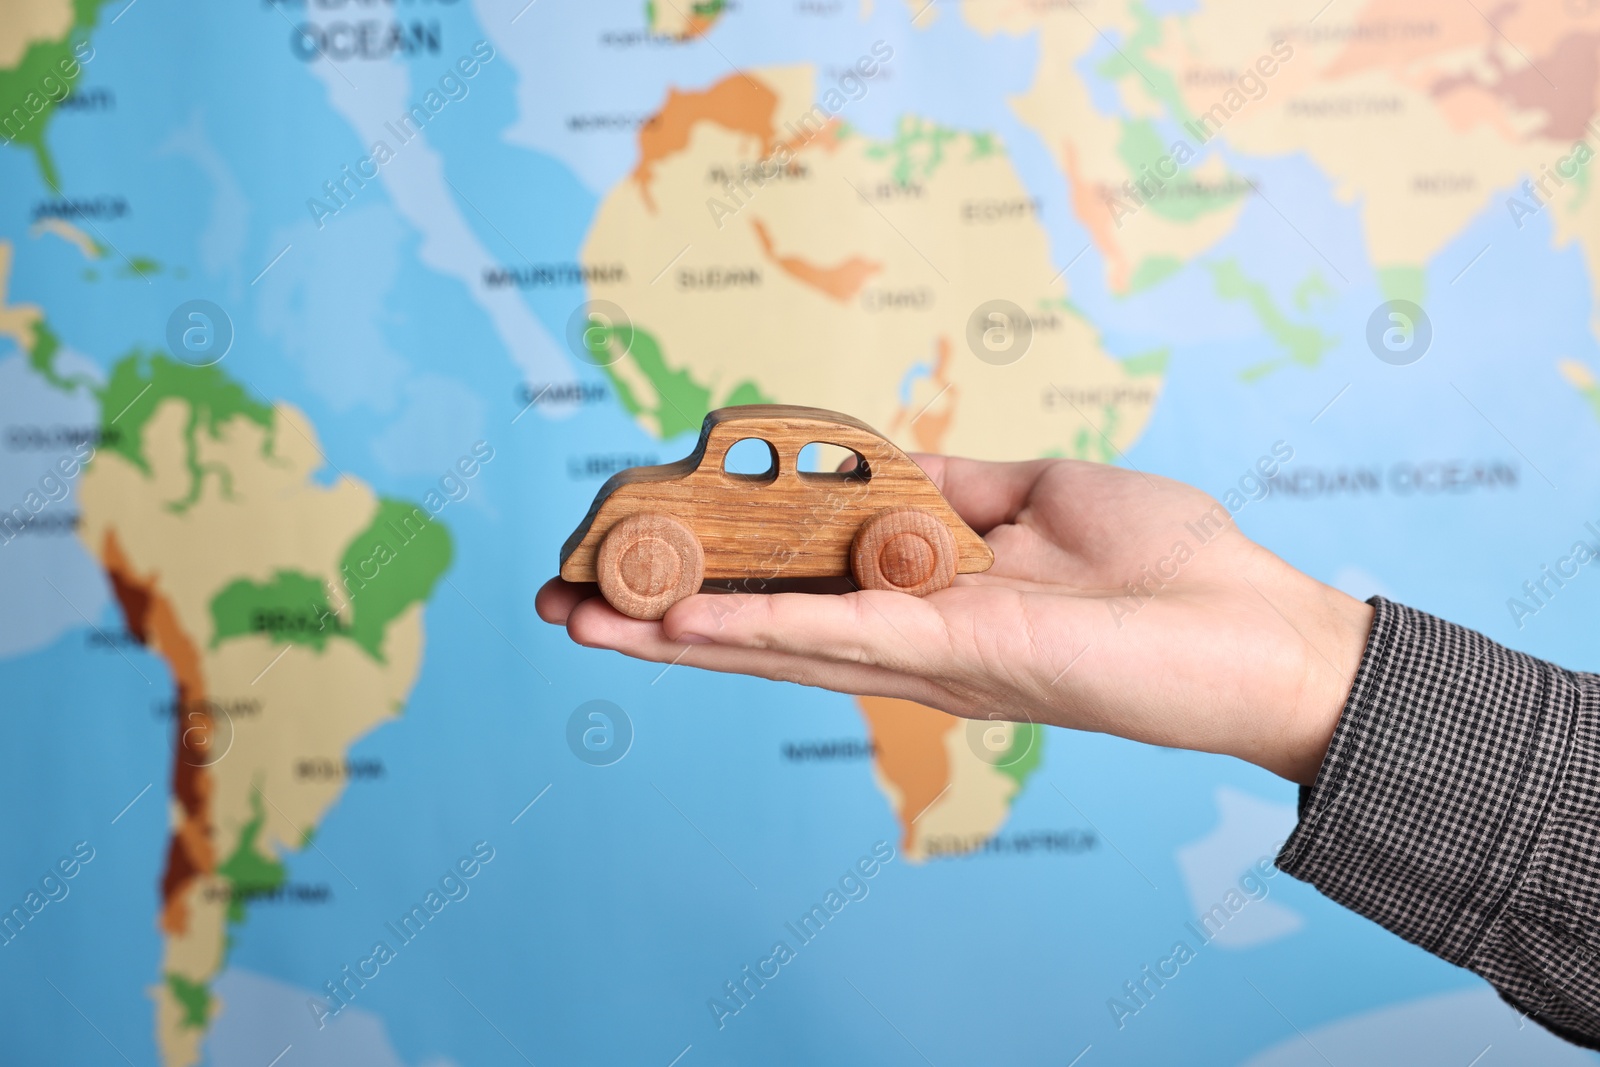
(1437, 782)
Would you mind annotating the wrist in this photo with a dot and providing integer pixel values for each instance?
(1338, 631)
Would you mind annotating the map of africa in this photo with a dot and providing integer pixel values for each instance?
(321, 324)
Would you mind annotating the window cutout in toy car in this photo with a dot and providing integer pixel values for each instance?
(821, 461)
(751, 459)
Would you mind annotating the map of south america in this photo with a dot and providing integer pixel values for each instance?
(289, 614)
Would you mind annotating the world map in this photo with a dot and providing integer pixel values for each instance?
(322, 322)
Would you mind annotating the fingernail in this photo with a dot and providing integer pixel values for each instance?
(693, 639)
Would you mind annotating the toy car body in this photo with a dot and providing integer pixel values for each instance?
(653, 534)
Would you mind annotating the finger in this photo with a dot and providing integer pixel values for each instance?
(985, 494)
(875, 627)
(558, 597)
(595, 624)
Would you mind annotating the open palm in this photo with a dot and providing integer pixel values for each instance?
(1118, 602)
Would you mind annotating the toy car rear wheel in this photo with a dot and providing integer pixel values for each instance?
(647, 563)
(908, 550)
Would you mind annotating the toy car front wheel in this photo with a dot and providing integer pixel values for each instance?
(908, 550)
(647, 563)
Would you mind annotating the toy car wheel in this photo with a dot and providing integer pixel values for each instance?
(647, 563)
(905, 549)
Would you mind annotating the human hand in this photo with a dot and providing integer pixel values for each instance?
(1118, 602)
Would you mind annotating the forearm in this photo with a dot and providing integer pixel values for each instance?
(1459, 806)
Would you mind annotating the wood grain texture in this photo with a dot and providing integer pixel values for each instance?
(907, 550)
(756, 529)
(647, 563)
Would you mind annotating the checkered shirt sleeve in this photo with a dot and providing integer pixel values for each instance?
(1459, 807)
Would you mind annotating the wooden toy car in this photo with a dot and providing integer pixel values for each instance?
(653, 534)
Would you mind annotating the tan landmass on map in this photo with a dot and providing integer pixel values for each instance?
(248, 706)
(848, 280)
(683, 19)
(1421, 113)
(27, 21)
(922, 228)
(17, 321)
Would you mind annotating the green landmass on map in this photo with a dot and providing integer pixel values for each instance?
(1303, 345)
(679, 403)
(136, 387)
(24, 85)
(294, 608)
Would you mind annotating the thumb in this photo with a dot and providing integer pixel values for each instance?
(985, 494)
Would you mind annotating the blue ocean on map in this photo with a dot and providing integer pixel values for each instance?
(623, 902)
